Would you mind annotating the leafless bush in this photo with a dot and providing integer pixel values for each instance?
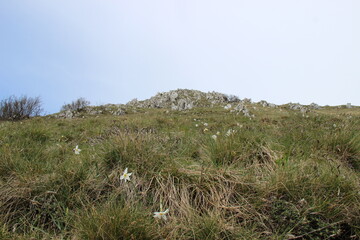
(232, 98)
(14, 108)
(76, 105)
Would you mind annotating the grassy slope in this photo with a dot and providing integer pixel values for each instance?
(281, 175)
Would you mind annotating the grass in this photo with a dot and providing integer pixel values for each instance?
(281, 175)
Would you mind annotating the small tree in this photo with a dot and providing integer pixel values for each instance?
(14, 108)
(76, 105)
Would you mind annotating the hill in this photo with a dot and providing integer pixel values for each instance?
(224, 168)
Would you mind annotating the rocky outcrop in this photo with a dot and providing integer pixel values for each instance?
(266, 104)
(314, 106)
(65, 114)
(183, 99)
(303, 108)
(176, 100)
(296, 106)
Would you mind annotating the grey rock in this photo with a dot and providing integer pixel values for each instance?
(182, 99)
(241, 108)
(118, 112)
(314, 106)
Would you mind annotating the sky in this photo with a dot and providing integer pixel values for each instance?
(116, 50)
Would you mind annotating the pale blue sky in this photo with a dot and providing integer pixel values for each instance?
(113, 51)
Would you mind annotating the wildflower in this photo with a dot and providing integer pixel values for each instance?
(125, 176)
(214, 137)
(230, 132)
(77, 150)
(205, 124)
(334, 125)
(205, 129)
(217, 133)
(196, 125)
(161, 215)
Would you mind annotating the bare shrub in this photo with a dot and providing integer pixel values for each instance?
(232, 98)
(76, 105)
(14, 108)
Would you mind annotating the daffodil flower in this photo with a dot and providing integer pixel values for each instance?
(230, 132)
(161, 215)
(125, 176)
(77, 150)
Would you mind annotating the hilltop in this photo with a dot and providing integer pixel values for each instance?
(224, 167)
(185, 99)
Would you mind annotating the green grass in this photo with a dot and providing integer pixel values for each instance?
(279, 176)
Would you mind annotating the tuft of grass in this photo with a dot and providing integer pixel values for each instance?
(115, 221)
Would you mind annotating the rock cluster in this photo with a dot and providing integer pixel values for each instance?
(183, 99)
(298, 107)
(177, 100)
(112, 109)
(303, 108)
(241, 108)
(65, 114)
(314, 106)
(266, 104)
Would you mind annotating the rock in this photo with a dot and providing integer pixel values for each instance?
(266, 104)
(118, 112)
(241, 108)
(133, 102)
(299, 107)
(67, 114)
(173, 96)
(314, 106)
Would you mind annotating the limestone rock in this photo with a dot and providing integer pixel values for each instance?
(183, 99)
(241, 108)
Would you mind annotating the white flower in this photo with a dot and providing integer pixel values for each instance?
(77, 150)
(161, 215)
(196, 125)
(230, 132)
(205, 124)
(214, 137)
(217, 133)
(334, 125)
(125, 176)
(205, 129)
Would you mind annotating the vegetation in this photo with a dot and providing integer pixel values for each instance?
(18, 108)
(76, 105)
(280, 175)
